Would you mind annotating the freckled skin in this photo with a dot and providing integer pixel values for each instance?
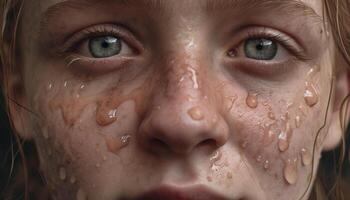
(179, 105)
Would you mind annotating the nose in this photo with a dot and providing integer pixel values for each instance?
(185, 115)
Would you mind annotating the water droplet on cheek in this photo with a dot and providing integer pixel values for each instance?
(306, 157)
(72, 179)
(252, 100)
(196, 113)
(310, 95)
(114, 145)
(62, 173)
(297, 121)
(259, 158)
(266, 164)
(284, 138)
(290, 171)
(106, 116)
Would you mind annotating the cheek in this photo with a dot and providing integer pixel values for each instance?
(81, 125)
(276, 130)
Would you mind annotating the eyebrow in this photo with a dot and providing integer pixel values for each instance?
(288, 6)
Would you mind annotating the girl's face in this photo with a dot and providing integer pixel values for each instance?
(176, 99)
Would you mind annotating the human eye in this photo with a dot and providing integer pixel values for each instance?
(101, 48)
(265, 51)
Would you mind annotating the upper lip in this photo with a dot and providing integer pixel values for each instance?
(181, 193)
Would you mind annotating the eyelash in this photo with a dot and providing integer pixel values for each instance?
(279, 38)
(101, 30)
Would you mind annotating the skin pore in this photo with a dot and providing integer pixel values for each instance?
(180, 103)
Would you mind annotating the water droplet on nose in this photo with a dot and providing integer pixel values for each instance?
(194, 77)
(310, 95)
(306, 157)
(297, 121)
(290, 171)
(196, 113)
(114, 145)
(62, 173)
(252, 100)
(81, 195)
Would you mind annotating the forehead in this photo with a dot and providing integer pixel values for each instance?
(315, 6)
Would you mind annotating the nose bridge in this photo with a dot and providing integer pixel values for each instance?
(185, 117)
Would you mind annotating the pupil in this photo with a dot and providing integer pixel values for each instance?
(260, 46)
(105, 44)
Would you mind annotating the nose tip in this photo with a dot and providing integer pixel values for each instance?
(182, 129)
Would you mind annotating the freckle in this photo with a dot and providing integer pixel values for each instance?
(306, 157)
(114, 145)
(244, 144)
(297, 121)
(196, 113)
(266, 165)
(81, 195)
(271, 115)
(62, 173)
(252, 100)
(72, 179)
(229, 175)
(209, 178)
(310, 95)
(290, 171)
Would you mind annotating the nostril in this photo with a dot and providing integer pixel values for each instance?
(208, 142)
(158, 144)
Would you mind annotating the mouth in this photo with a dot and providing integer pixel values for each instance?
(181, 193)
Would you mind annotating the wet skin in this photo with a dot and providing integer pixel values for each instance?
(181, 105)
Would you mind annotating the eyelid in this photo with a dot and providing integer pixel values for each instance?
(102, 30)
(281, 38)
